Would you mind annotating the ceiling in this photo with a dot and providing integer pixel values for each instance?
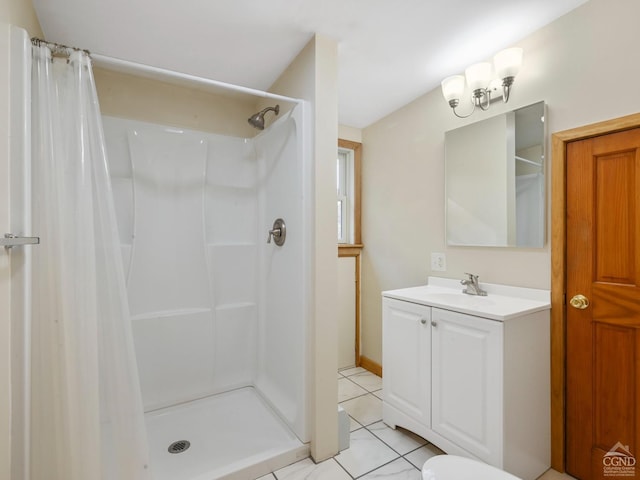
(389, 51)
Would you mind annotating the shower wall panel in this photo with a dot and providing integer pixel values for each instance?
(282, 326)
(168, 269)
(214, 305)
(187, 213)
(231, 221)
(175, 356)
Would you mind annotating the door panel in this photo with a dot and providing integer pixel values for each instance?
(603, 368)
(614, 352)
(615, 210)
(466, 386)
(406, 347)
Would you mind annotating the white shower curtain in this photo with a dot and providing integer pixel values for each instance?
(87, 418)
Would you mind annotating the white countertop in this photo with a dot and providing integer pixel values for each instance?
(502, 302)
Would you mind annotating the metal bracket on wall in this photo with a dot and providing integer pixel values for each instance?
(10, 240)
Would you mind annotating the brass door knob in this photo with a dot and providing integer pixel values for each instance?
(579, 301)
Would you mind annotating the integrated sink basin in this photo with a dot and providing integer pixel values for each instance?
(501, 303)
(460, 299)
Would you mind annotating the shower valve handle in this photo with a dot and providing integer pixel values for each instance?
(275, 233)
(278, 232)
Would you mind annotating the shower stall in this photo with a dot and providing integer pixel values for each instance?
(219, 310)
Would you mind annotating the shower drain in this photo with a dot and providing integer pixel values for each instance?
(179, 446)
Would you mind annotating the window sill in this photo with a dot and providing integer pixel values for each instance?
(349, 249)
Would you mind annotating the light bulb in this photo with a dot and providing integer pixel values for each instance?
(453, 87)
(508, 62)
(478, 75)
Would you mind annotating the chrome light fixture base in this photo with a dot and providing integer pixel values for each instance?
(506, 88)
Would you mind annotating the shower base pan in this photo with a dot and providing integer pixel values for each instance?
(232, 435)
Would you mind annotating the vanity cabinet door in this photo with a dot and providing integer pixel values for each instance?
(406, 347)
(467, 382)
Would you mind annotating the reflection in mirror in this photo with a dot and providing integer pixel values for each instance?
(494, 176)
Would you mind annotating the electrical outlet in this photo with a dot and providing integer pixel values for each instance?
(438, 262)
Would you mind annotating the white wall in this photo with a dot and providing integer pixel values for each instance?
(5, 273)
(19, 13)
(583, 65)
(352, 134)
(346, 314)
(154, 101)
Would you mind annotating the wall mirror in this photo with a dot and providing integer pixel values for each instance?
(494, 180)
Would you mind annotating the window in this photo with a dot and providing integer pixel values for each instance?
(348, 192)
(345, 193)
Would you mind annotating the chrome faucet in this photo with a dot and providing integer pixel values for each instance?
(471, 286)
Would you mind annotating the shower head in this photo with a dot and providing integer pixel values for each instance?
(257, 119)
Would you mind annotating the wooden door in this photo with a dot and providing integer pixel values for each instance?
(603, 337)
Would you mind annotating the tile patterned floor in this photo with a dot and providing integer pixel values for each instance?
(376, 451)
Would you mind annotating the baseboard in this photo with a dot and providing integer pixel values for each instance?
(370, 365)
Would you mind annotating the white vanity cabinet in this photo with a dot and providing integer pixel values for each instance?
(466, 382)
(406, 337)
(471, 375)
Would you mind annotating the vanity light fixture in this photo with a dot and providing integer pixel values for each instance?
(479, 79)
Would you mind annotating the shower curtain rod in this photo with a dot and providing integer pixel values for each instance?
(133, 67)
(58, 49)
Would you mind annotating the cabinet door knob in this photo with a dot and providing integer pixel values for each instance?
(423, 321)
(434, 323)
